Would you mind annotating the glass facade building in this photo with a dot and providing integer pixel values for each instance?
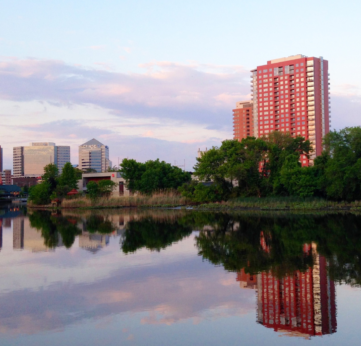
(94, 155)
(30, 161)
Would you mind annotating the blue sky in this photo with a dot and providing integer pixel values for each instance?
(158, 78)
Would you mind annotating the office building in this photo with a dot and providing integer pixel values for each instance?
(30, 161)
(18, 161)
(6, 177)
(243, 126)
(1, 159)
(63, 156)
(94, 155)
(292, 95)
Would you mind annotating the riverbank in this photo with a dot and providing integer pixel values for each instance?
(167, 201)
(161, 200)
(281, 203)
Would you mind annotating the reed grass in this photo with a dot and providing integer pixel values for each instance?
(159, 199)
(283, 203)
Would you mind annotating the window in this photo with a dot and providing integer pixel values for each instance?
(296, 65)
(264, 70)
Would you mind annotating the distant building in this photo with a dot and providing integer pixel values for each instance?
(243, 120)
(1, 159)
(9, 190)
(94, 155)
(31, 160)
(18, 161)
(6, 177)
(119, 190)
(25, 181)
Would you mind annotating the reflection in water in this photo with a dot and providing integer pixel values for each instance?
(299, 304)
(290, 262)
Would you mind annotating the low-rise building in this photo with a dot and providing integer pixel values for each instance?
(6, 177)
(25, 181)
(119, 190)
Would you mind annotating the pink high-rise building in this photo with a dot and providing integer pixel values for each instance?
(292, 95)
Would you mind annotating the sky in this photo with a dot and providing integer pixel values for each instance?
(158, 79)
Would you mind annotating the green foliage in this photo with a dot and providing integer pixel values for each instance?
(50, 175)
(53, 226)
(40, 194)
(270, 166)
(106, 187)
(201, 193)
(153, 234)
(69, 176)
(152, 176)
(343, 166)
(93, 190)
(54, 185)
(96, 223)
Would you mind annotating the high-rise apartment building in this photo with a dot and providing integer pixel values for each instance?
(30, 160)
(292, 95)
(243, 126)
(94, 155)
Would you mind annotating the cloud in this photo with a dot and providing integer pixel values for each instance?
(145, 285)
(165, 90)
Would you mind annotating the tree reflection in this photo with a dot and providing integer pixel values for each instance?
(53, 225)
(153, 234)
(261, 242)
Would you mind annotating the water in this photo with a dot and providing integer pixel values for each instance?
(179, 278)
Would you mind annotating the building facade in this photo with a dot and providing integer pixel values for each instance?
(1, 159)
(6, 177)
(243, 126)
(30, 161)
(94, 155)
(292, 95)
(18, 161)
(120, 188)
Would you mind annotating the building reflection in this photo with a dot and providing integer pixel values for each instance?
(302, 304)
(93, 242)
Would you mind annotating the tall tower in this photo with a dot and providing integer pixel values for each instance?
(292, 95)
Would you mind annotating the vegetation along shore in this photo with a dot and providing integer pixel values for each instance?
(256, 173)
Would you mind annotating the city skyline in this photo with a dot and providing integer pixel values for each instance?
(123, 85)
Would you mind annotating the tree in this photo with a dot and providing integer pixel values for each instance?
(343, 166)
(297, 180)
(152, 176)
(106, 187)
(93, 190)
(69, 176)
(50, 175)
(40, 194)
(132, 172)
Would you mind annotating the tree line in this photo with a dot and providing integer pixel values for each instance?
(270, 166)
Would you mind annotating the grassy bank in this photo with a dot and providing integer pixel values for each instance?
(170, 199)
(281, 203)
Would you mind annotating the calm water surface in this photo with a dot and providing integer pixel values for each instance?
(179, 278)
